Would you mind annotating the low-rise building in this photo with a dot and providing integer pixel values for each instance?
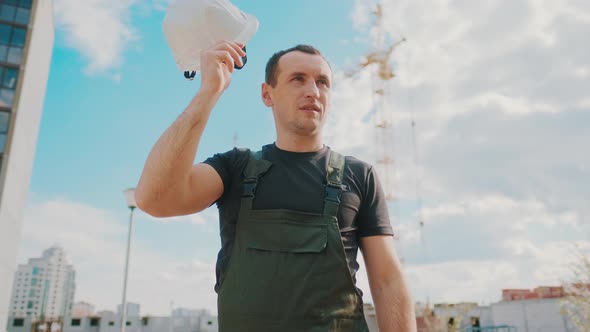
(108, 321)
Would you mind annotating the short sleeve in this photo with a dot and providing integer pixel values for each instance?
(373, 217)
(229, 166)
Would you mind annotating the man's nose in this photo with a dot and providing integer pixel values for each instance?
(312, 90)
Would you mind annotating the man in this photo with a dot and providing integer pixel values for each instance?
(292, 215)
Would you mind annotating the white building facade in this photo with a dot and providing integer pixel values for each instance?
(82, 309)
(532, 315)
(111, 322)
(538, 315)
(26, 44)
(132, 309)
(44, 288)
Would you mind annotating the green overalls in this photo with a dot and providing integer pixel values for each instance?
(288, 270)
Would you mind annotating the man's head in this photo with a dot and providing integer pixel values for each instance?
(297, 86)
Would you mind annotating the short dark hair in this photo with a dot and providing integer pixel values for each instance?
(273, 63)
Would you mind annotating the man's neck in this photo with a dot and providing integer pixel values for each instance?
(299, 143)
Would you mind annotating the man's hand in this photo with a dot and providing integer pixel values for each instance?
(217, 65)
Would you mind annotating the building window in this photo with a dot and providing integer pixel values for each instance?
(12, 41)
(76, 322)
(18, 322)
(94, 321)
(475, 323)
(7, 12)
(4, 122)
(22, 16)
(2, 142)
(18, 37)
(5, 31)
(111, 323)
(24, 3)
(6, 97)
(15, 11)
(15, 55)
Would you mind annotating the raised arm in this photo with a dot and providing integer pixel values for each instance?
(170, 184)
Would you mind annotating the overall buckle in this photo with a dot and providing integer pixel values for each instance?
(333, 192)
(249, 186)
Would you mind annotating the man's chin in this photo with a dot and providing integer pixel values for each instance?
(308, 130)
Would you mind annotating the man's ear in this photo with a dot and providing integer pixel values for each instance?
(265, 92)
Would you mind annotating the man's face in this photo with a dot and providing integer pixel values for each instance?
(300, 99)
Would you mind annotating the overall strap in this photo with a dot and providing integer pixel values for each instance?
(255, 168)
(334, 187)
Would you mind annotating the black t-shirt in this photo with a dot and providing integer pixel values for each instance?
(296, 182)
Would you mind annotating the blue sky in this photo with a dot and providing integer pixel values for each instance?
(113, 124)
(498, 93)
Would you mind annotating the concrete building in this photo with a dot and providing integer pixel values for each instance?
(185, 312)
(26, 44)
(462, 315)
(542, 292)
(44, 287)
(520, 310)
(110, 322)
(132, 310)
(539, 315)
(82, 309)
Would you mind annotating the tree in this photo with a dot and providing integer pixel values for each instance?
(575, 305)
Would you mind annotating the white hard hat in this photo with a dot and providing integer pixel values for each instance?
(191, 26)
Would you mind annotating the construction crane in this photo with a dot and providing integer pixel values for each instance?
(379, 61)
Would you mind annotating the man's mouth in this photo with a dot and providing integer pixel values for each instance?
(310, 108)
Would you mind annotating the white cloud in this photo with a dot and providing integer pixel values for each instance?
(161, 4)
(356, 123)
(498, 92)
(360, 14)
(511, 105)
(496, 110)
(483, 280)
(459, 51)
(206, 216)
(100, 30)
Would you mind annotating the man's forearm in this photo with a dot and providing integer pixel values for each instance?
(172, 157)
(394, 308)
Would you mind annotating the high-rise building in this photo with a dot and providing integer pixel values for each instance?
(26, 44)
(44, 287)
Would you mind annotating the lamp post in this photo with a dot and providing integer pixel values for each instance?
(130, 197)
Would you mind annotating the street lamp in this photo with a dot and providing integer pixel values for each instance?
(130, 197)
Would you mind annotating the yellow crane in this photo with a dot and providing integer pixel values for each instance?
(379, 61)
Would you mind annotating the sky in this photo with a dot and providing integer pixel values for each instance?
(496, 165)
